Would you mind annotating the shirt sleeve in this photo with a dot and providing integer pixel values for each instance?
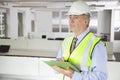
(99, 62)
(59, 55)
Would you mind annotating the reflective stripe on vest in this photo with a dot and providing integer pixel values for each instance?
(81, 55)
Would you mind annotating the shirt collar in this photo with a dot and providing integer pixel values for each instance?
(80, 37)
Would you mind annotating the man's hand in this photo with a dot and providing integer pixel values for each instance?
(61, 59)
(66, 72)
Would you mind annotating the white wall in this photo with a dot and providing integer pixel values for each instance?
(43, 21)
(104, 21)
(32, 44)
(116, 43)
(26, 22)
(113, 71)
(12, 19)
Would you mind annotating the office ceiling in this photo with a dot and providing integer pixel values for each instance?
(36, 0)
(50, 0)
(49, 3)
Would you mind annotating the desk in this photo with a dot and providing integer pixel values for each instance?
(26, 64)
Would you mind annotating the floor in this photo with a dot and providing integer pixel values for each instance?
(5, 78)
(117, 57)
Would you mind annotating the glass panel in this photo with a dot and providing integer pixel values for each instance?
(32, 21)
(5, 24)
(55, 21)
(55, 18)
(117, 15)
(94, 22)
(64, 28)
(117, 33)
(20, 24)
(2, 22)
(60, 21)
(64, 18)
(33, 25)
(117, 25)
(55, 28)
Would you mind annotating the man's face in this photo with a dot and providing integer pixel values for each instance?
(77, 22)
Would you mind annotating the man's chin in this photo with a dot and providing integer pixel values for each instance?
(72, 30)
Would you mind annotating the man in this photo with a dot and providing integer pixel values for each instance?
(89, 55)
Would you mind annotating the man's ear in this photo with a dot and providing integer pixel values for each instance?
(86, 21)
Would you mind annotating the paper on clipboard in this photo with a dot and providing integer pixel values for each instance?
(64, 65)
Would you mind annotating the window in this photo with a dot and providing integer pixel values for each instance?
(2, 22)
(20, 24)
(60, 21)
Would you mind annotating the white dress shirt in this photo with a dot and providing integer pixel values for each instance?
(99, 62)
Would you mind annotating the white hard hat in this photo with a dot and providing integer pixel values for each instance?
(78, 8)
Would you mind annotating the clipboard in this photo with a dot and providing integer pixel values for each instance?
(64, 65)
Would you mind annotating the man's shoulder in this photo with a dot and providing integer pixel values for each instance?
(100, 44)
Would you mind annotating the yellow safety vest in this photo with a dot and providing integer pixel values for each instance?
(81, 55)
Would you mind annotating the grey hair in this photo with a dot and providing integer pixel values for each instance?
(87, 15)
